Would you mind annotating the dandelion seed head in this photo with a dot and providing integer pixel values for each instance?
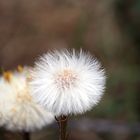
(18, 110)
(67, 82)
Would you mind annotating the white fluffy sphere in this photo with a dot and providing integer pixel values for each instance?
(18, 109)
(67, 82)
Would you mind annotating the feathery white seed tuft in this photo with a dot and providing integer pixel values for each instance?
(18, 111)
(67, 82)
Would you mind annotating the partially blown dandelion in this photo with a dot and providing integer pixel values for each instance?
(67, 82)
(18, 109)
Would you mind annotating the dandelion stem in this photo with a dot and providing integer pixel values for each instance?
(26, 136)
(62, 122)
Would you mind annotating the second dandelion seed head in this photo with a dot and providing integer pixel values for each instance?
(17, 107)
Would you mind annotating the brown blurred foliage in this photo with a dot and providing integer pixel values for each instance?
(29, 28)
(107, 28)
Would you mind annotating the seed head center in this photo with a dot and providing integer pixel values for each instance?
(66, 78)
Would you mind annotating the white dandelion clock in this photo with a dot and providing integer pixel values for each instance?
(67, 82)
(22, 113)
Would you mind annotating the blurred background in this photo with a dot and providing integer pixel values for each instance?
(110, 29)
